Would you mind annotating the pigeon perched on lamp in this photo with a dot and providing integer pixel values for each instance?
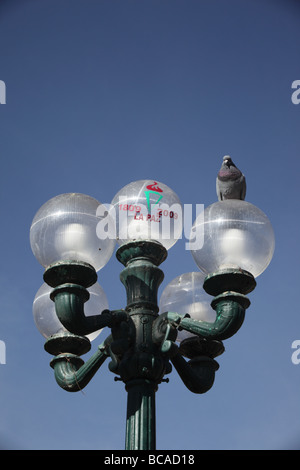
(231, 183)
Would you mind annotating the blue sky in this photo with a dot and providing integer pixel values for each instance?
(100, 93)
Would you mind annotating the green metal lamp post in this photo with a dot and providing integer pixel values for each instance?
(142, 345)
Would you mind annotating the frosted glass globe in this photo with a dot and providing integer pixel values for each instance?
(65, 228)
(44, 314)
(233, 234)
(185, 294)
(147, 210)
(45, 317)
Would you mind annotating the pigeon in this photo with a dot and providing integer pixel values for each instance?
(231, 183)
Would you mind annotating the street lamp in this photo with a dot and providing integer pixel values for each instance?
(73, 236)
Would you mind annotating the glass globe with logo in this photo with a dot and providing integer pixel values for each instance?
(147, 210)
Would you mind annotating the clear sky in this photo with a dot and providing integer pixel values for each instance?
(100, 93)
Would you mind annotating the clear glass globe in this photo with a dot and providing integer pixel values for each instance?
(233, 234)
(65, 228)
(45, 317)
(147, 210)
(185, 294)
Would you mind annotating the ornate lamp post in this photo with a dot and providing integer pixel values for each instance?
(73, 236)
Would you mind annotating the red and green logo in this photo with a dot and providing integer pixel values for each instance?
(153, 188)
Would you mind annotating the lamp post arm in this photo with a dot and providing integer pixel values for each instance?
(165, 326)
(230, 308)
(72, 373)
(69, 302)
(198, 374)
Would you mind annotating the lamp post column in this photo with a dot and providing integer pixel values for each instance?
(138, 360)
(141, 417)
